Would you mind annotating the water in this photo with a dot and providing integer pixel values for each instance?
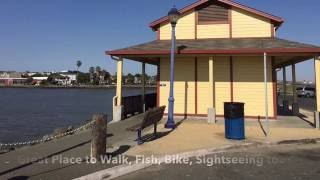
(31, 113)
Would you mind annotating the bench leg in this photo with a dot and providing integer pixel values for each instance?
(155, 131)
(139, 141)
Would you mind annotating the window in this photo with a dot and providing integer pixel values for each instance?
(213, 14)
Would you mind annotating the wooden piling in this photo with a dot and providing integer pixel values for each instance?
(99, 136)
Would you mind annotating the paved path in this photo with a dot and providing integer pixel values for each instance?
(277, 162)
(38, 162)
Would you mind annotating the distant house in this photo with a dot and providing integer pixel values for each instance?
(38, 80)
(68, 77)
(11, 78)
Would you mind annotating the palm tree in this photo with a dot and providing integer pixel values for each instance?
(91, 71)
(79, 63)
(98, 69)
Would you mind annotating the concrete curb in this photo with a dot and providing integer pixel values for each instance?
(122, 170)
(300, 141)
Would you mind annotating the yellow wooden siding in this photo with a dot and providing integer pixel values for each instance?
(222, 83)
(248, 85)
(213, 31)
(245, 24)
(184, 85)
(185, 28)
(203, 85)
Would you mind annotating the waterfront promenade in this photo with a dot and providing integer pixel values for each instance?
(183, 141)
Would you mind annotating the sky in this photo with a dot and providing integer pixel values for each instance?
(51, 35)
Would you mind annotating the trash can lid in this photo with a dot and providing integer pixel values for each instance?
(234, 103)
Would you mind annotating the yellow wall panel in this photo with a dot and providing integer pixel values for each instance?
(213, 31)
(248, 85)
(185, 28)
(245, 24)
(184, 85)
(203, 85)
(222, 83)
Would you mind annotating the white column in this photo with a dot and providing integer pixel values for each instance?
(317, 79)
(119, 80)
(117, 104)
(211, 108)
(211, 83)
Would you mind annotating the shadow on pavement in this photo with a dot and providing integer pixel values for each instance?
(41, 159)
(19, 178)
(122, 149)
(303, 117)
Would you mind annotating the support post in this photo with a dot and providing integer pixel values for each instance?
(266, 93)
(143, 86)
(317, 79)
(117, 106)
(295, 105)
(119, 80)
(211, 108)
(285, 101)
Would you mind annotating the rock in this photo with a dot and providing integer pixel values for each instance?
(45, 138)
(70, 128)
(59, 131)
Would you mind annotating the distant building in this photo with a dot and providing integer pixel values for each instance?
(137, 80)
(38, 80)
(11, 78)
(70, 78)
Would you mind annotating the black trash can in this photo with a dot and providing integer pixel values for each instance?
(234, 120)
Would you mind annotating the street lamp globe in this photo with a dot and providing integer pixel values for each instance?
(174, 15)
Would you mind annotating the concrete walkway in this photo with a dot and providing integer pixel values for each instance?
(38, 162)
(195, 134)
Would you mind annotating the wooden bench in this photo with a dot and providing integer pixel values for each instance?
(151, 117)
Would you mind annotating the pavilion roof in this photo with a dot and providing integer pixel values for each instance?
(218, 46)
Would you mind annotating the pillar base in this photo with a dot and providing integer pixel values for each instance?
(317, 119)
(295, 109)
(117, 113)
(170, 125)
(211, 115)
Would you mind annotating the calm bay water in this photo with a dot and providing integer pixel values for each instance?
(30, 113)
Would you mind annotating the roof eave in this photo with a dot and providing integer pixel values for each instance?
(222, 51)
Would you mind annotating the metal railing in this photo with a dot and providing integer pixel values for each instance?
(4, 146)
(133, 104)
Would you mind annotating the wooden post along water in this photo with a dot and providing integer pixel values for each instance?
(99, 136)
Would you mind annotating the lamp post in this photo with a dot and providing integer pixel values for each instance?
(174, 15)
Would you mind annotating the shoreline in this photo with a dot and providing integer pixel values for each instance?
(74, 87)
